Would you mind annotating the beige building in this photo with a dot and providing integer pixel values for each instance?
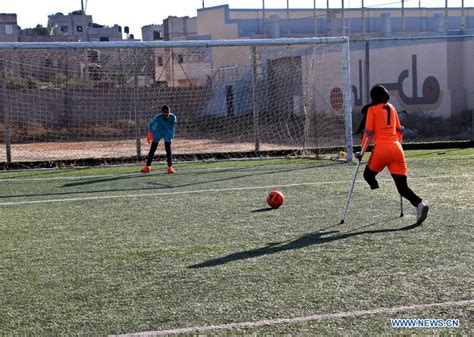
(79, 25)
(222, 22)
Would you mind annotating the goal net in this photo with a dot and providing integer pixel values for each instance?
(232, 98)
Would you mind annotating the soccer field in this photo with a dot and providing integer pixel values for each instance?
(102, 251)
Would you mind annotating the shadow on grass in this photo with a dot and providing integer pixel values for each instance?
(265, 209)
(159, 185)
(236, 169)
(316, 238)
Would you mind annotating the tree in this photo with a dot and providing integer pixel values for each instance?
(40, 30)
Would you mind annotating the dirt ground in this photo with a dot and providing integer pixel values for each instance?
(53, 151)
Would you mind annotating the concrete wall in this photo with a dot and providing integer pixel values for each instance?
(468, 78)
(73, 108)
(430, 76)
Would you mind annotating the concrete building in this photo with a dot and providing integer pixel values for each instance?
(180, 28)
(9, 30)
(178, 67)
(222, 22)
(80, 25)
(152, 33)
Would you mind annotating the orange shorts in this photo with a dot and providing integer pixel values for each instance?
(388, 154)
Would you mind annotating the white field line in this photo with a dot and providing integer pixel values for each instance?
(98, 177)
(212, 190)
(159, 172)
(157, 194)
(295, 320)
(216, 169)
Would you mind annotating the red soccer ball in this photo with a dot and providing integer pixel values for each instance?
(275, 199)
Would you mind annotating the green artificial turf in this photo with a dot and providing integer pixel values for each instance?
(107, 250)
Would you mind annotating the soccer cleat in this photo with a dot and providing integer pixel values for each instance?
(421, 212)
(146, 169)
(170, 169)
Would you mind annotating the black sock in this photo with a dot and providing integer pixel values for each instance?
(404, 190)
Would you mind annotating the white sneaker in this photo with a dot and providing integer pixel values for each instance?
(421, 212)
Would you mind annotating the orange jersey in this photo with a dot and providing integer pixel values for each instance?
(382, 125)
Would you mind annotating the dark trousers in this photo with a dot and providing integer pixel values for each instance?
(400, 182)
(151, 153)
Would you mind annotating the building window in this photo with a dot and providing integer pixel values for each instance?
(104, 38)
(64, 29)
(160, 61)
(180, 58)
(9, 29)
(79, 29)
(156, 35)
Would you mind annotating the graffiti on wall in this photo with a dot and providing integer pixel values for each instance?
(430, 98)
(431, 95)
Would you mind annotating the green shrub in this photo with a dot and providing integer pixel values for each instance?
(18, 83)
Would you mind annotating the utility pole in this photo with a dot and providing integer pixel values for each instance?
(263, 20)
(315, 22)
(288, 18)
(403, 16)
(446, 25)
(343, 19)
(82, 7)
(362, 11)
(462, 16)
(203, 4)
(328, 29)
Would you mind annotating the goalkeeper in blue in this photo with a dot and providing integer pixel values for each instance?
(161, 126)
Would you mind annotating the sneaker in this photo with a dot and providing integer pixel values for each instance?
(170, 169)
(146, 169)
(421, 212)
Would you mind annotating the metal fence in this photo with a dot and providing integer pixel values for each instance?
(67, 103)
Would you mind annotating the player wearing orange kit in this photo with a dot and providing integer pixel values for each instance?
(383, 126)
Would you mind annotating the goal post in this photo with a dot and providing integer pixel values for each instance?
(232, 98)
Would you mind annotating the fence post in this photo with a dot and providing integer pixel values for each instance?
(367, 72)
(472, 124)
(135, 105)
(254, 98)
(347, 94)
(6, 113)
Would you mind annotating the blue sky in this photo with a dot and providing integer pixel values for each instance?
(138, 13)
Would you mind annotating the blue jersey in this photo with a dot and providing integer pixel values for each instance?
(162, 128)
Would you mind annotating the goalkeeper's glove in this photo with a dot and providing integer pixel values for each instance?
(149, 136)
